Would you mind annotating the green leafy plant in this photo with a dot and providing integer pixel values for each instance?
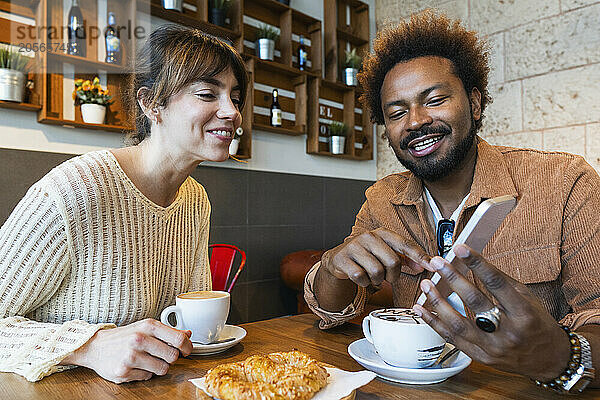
(267, 32)
(221, 4)
(12, 59)
(338, 129)
(352, 60)
(87, 92)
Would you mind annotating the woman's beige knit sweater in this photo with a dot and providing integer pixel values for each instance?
(86, 250)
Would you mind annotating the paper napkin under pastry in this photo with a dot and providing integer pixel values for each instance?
(339, 384)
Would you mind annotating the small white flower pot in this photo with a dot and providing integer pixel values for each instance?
(336, 144)
(93, 113)
(12, 85)
(265, 49)
(233, 146)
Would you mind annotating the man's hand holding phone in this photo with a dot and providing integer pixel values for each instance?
(373, 257)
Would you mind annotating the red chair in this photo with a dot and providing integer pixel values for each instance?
(222, 257)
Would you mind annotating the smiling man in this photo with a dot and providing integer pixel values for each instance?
(536, 286)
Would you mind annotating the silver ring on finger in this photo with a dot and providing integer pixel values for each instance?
(489, 320)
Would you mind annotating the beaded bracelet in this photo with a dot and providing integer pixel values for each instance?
(574, 362)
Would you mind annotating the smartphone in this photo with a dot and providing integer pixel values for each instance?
(479, 229)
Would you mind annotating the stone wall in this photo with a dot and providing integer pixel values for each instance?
(545, 77)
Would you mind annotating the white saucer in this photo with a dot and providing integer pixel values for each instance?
(228, 331)
(364, 353)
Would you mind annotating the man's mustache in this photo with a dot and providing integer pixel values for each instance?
(425, 130)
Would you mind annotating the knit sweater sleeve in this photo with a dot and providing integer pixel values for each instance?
(34, 260)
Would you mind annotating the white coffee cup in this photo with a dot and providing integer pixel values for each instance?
(203, 312)
(402, 338)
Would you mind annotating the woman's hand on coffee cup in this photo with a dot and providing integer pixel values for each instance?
(373, 257)
(133, 352)
(527, 339)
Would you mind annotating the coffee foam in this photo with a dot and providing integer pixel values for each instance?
(202, 295)
(397, 315)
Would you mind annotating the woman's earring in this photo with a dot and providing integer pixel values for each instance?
(154, 117)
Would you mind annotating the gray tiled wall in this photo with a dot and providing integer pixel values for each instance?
(266, 214)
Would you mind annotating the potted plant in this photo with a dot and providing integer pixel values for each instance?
(352, 64)
(235, 143)
(13, 70)
(218, 11)
(93, 100)
(266, 38)
(337, 137)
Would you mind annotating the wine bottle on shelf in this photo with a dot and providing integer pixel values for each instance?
(112, 40)
(302, 55)
(275, 110)
(76, 31)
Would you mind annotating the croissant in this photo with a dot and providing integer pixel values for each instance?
(289, 375)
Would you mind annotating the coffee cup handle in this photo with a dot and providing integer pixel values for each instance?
(366, 326)
(164, 317)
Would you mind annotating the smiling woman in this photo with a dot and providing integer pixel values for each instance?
(105, 241)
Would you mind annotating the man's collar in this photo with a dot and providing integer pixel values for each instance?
(491, 179)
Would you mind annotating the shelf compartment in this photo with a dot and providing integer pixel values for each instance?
(55, 98)
(353, 18)
(291, 85)
(291, 23)
(272, 13)
(197, 19)
(336, 102)
(311, 29)
(346, 27)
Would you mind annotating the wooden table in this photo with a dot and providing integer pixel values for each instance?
(279, 334)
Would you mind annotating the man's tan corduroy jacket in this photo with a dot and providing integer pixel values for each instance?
(550, 241)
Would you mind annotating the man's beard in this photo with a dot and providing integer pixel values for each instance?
(430, 168)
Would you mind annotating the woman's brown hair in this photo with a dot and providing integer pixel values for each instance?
(172, 58)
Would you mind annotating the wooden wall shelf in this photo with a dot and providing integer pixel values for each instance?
(291, 24)
(282, 73)
(269, 4)
(86, 62)
(279, 68)
(20, 106)
(342, 156)
(25, 8)
(346, 25)
(275, 129)
(76, 124)
(299, 90)
(292, 97)
(349, 37)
